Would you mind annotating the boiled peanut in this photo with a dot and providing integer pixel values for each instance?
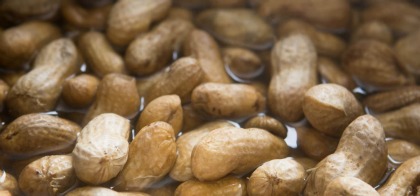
(400, 150)
(4, 89)
(99, 55)
(152, 155)
(238, 27)
(34, 134)
(166, 108)
(180, 13)
(406, 52)
(117, 93)
(131, 17)
(227, 100)
(404, 180)
(79, 92)
(204, 48)
(165, 190)
(21, 10)
(325, 43)
(100, 191)
(39, 89)
(8, 183)
(267, 123)
(315, 144)
(102, 148)
(49, 175)
(185, 145)
(333, 73)
(191, 119)
(82, 18)
(330, 108)
(393, 99)
(277, 177)
(349, 186)
(234, 150)
(373, 30)
(152, 51)
(19, 44)
(294, 71)
(361, 153)
(242, 63)
(225, 186)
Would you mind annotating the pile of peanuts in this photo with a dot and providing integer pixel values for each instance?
(209, 97)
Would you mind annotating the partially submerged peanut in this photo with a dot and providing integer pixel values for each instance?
(349, 186)
(242, 63)
(330, 108)
(185, 145)
(152, 155)
(401, 150)
(18, 11)
(49, 175)
(267, 123)
(373, 30)
(102, 148)
(333, 73)
(315, 144)
(101, 191)
(4, 89)
(8, 183)
(34, 134)
(277, 177)
(225, 186)
(84, 18)
(406, 52)
(80, 91)
(294, 71)
(166, 108)
(361, 153)
(393, 99)
(227, 100)
(234, 150)
(191, 118)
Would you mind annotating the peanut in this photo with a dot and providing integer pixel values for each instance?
(393, 99)
(349, 186)
(4, 89)
(315, 144)
(39, 89)
(99, 191)
(79, 92)
(84, 18)
(225, 186)
(400, 150)
(191, 119)
(227, 3)
(242, 63)
(330, 108)
(306, 163)
(361, 153)
(49, 175)
(267, 123)
(234, 150)
(19, 44)
(116, 93)
(94, 4)
(102, 148)
(277, 177)
(21, 10)
(191, 3)
(373, 30)
(185, 145)
(99, 55)
(180, 13)
(166, 108)
(227, 100)
(34, 134)
(8, 183)
(294, 71)
(406, 52)
(131, 17)
(165, 190)
(11, 77)
(238, 27)
(333, 73)
(152, 155)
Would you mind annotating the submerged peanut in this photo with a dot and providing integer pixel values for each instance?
(242, 63)
(79, 92)
(85, 18)
(315, 144)
(8, 183)
(18, 11)
(225, 186)
(406, 52)
(373, 30)
(267, 123)
(191, 118)
(393, 99)
(333, 73)
(4, 89)
(98, 191)
(401, 150)
(349, 186)
(234, 150)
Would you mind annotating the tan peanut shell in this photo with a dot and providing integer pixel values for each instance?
(373, 30)
(267, 123)
(315, 144)
(306, 162)
(401, 150)
(128, 18)
(152, 51)
(325, 43)
(49, 175)
(20, 43)
(393, 99)
(277, 177)
(180, 79)
(238, 27)
(117, 93)
(80, 91)
(35, 134)
(403, 123)
(204, 48)
(152, 155)
(8, 183)
(4, 89)
(331, 15)
(406, 52)
(185, 145)
(242, 63)
(334, 73)
(99, 54)
(85, 18)
(330, 108)
(39, 89)
(180, 13)
(21, 10)
(227, 100)
(225, 186)
(234, 150)
(166, 108)
(191, 118)
(374, 64)
(102, 148)
(349, 186)
(100, 191)
(361, 153)
(294, 71)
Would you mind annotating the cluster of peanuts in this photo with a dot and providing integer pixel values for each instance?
(210, 97)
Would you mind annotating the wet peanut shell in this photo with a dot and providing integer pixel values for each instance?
(243, 63)
(315, 144)
(4, 89)
(18, 11)
(349, 186)
(401, 150)
(225, 186)
(234, 150)
(35, 134)
(191, 119)
(180, 13)
(406, 52)
(84, 18)
(267, 123)
(80, 91)
(9, 183)
(373, 30)
(99, 191)
(334, 73)
(393, 99)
